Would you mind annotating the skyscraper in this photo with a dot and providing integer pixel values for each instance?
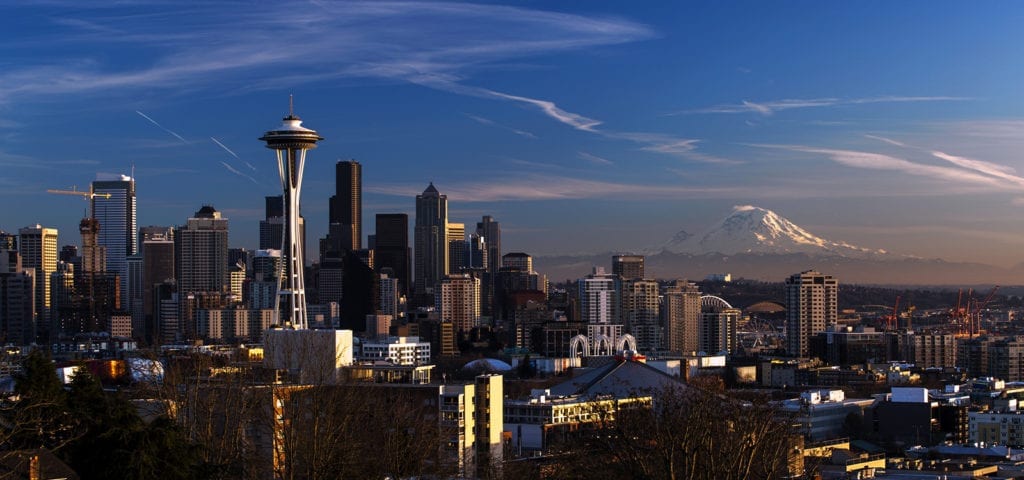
(490, 230)
(158, 265)
(391, 249)
(457, 247)
(811, 305)
(17, 300)
(201, 253)
(346, 207)
(114, 209)
(431, 241)
(38, 249)
(272, 226)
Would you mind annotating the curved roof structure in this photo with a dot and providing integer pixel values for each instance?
(488, 364)
(765, 307)
(711, 303)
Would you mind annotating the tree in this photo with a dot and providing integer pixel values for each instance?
(685, 433)
(38, 418)
(129, 447)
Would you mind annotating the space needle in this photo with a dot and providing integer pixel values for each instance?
(291, 141)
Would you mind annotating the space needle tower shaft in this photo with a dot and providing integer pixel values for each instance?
(291, 141)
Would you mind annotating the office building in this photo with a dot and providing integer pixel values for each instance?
(115, 209)
(272, 226)
(17, 297)
(38, 249)
(628, 267)
(346, 206)
(201, 253)
(431, 233)
(811, 305)
(391, 247)
(489, 232)
(681, 315)
(158, 265)
(458, 248)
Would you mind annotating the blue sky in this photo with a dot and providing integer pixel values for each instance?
(581, 126)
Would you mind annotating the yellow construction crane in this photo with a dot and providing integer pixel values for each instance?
(75, 191)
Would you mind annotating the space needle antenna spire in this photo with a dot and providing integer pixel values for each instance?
(290, 142)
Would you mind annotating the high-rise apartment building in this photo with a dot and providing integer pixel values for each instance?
(628, 267)
(391, 247)
(812, 301)
(387, 293)
(718, 325)
(681, 314)
(38, 249)
(459, 301)
(115, 210)
(346, 207)
(431, 233)
(599, 297)
(641, 313)
(201, 253)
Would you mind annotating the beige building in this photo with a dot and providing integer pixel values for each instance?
(681, 314)
(472, 425)
(38, 248)
(811, 305)
(459, 301)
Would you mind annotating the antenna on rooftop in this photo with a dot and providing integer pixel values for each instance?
(291, 105)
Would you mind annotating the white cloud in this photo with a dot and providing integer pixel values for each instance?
(771, 107)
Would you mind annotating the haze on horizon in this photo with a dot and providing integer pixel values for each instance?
(581, 127)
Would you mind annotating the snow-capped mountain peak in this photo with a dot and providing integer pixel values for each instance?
(750, 229)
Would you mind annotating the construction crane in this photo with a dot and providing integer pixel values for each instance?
(75, 191)
(975, 316)
(892, 321)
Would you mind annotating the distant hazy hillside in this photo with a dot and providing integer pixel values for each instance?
(756, 243)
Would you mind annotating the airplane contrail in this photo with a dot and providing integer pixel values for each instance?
(226, 149)
(161, 127)
(236, 172)
(233, 154)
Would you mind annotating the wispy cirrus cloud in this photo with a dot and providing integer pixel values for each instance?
(214, 46)
(773, 106)
(971, 173)
(536, 188)
(987, 168)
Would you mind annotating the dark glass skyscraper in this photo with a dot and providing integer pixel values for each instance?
(114, 208)
(346, 208)
(391, 249)
(431, 240)
(490, 230)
